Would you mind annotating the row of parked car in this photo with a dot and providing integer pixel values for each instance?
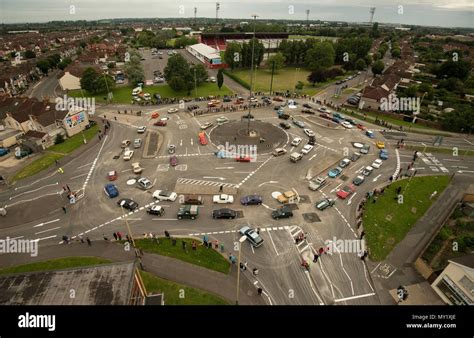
(19, 154)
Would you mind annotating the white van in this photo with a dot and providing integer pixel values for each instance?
(295, 157)
(136, 91)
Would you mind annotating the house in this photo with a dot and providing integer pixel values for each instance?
(455, 285)
(37, 140)
(9, 137)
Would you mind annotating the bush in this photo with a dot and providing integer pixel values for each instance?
(59, 139)
(237, 79)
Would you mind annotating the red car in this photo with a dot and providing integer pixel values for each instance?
(112, 175)
(345, 191)
(239, 101)
(243, 159)
(173, 161)
(202, 139)
(361, 127)
(325, 116)
(155, 115)
(160, 123)
(278, 98)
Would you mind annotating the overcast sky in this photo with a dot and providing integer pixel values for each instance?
(446, 13)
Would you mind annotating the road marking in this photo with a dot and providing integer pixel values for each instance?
(333, 190)
(72, 178)
(274, 246)
(312, 157)
(350, 199)
(164, 219)
(269, 182)
(465, 171)
(224, 168)
(85, 165)
(94, 163)
(124, 171)
(41, 239)
(459, 167)
(472, 144)
(41, 179)
(451, 160)
(192, 142)
(354, 297)
(376, 178)
(40, 232)
(17, 237)
(30, 191)
(41, 224)
(312, 287)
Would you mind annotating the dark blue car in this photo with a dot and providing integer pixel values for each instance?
(111, 190)
(251, 200)
(4, 151)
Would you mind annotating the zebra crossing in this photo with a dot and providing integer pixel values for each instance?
(301, 245)
(433, 163)
(266, 229)
(206, 183)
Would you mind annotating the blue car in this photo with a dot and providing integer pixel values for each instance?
(335, 172)
(251, 200)
(111, 190)
(4, 151)
(383, 154)
(370, 133)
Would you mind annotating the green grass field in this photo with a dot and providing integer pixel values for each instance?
(123, 95)
(177, 294)
(208, 258)
(386, 222)
(55, 264)
(54, 153)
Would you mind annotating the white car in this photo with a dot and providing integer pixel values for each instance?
(377, 163)
(344, 163)
(128, 154)
(141, 129)
(144, 183)
(173, 110)
(306, 149)
(164, 195)
(346, 124)
(309, 132)
(136, 168)
(222, 120)
(296, 141)
(367, 171)
(206, 125)
(223, 199)
(323, 109)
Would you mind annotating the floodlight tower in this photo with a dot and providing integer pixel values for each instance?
(195, 14)
(218, 6)
(307, 17)
(372, 12)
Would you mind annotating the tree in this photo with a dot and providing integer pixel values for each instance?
(360, 64)
(178, 73)
(59, 139)
(316, 76)
(299, 86)
(177, 83)
(276, 60)
(321, 55)
(29, 54)
(201, 73)
(459, 69)
(378, 67)
(135, 73)
(232, 55)
(103, 84)
(368, 60)
(43, 66)
(220, 78)
(396, 52)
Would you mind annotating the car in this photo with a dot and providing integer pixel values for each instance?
(285, 125)
(278, 152)
(307, 148)
(173, 110)
(127, 154)
(367, 171)
(296, 141)
(251, 200)
(188, 211)
(339, 82)
(202, 138)
(173, 161)
(164, 195)
(344, 163)
(136, 168)
(111, 190)
(325, 116)
(252, 236)
(309, 132)
(287, 197)
(323, 109)
(278, 99)
(227, 99)
(299, 123)
(377, 164)
(355, 157)
(312, 140)
(307, 111)
(282, 212)
(283, 116)
(224, 213)
(192, 107)
(248, 116)
(335, 172)
(358, 180)
(213, 103)
(383, 154)
(193, 199)
(222, 120)
(4, 151)
(295, 157)
(137, 143)
(112, 175)
(365, 149)
(346, 124)
(144, 183)
(361, 126)
(128, 204)
(206, 125)
(223, 199)
(324, 204)
(307, 105)
(160, 123)
(239, 100)
(370, 133)
(125, 143)
(141, 129)
(317, 183)
(156, 210)
(346, 191)
(243, 159)
(171, 149)
(380, 144)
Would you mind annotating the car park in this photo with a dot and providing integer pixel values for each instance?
(188, 211)
(285, 125)
(127, 154)
(144, 183)
(335, 172)
(358, 180)
(344, 163)
(112, 175)
(324, 204)
(223, 199)
(141, 129)
(251, 200)
(156, 210)
(317, 183)
(193, 199)
(137, 143)
(307, 148)
(164, 195)
(252, 236)
(295, 157)
(128, 204)
(383, 154)
(380, 144)
(299, 123)
(345, 191)
(173, 161)
(309, 132)
(111, 190)
(282, 212)
(136, 168)
(225, 213)
(355, 157)
(278, 152)
(367, 171)
(296, 141)
(206, 125)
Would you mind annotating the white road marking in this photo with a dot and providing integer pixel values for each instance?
(41, 239)
(72, 178)
(354, 297)
(40, 232)
(30, 191)
(274, 246)
(44, 223)
(164, 219)
(41, 179)
(85, 165)
(376, 178)
(350, 199)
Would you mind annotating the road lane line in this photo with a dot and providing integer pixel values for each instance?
(354, 297)
(30, 191)
(40, 232)
(43, 238)
(274, 246)
(44, 223)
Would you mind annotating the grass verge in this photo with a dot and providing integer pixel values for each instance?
(55, 264)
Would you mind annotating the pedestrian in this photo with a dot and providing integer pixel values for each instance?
(105, 237)
(194, 245)
(167, 234)
(184, 245)
(88, 241)
(56, 162)
(259, 291)
(115, 236)
(119, 235)
(255, 271)
(315, 258)
(64, 209)
(216, 244)
(362, 234)
(374, 200)
(391, 178)
(222, 248)
(81, 239)
(100, 137)
(241, 266)
(258, 230)
(245, 265)
(221, 188)
(320, 251)
(64, 188)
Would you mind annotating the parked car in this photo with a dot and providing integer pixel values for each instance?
(335, 172)
(222, 120)
(188, 211)
(346, 124)
(355, 157)
(309, 132)
(202, 138)
(307, 148)
(367, 171)
(141, 129)
(125, 143)
(325, 203)
(285, 125)
(344, 163)
(127, 154)
(282, 212)
(279, 151)
(295, 157)
(171, 149)
(23, 153)
(164, 195)
(383, 154)
(370, 133)
(156, 210)
(206, 125)
(346, 191)
(252, 236)
(173, 161)
(160, 123)
(112, 175)
(223, 199)
(137, 143)
(111, 190)
(296, 141)
(365, 149)
(128, 204)
(358, 180)
(4, 151)
(380, 144)
(173, 110)
(299, 123)
(193, 199)
(224, 213)
(317, 183)
(144, 183)
(377, 164)
(136, 168)
(287, 197)
(251, 200)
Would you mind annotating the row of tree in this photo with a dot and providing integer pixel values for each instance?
(181, 76)
(51, 62)
(240, 55)
(134, 69)
(96, 83)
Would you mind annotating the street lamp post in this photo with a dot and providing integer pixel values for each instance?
(241, 240)
(294, 80)
(251, 72)
(409, 181)
(195, 82)
(128, 226)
